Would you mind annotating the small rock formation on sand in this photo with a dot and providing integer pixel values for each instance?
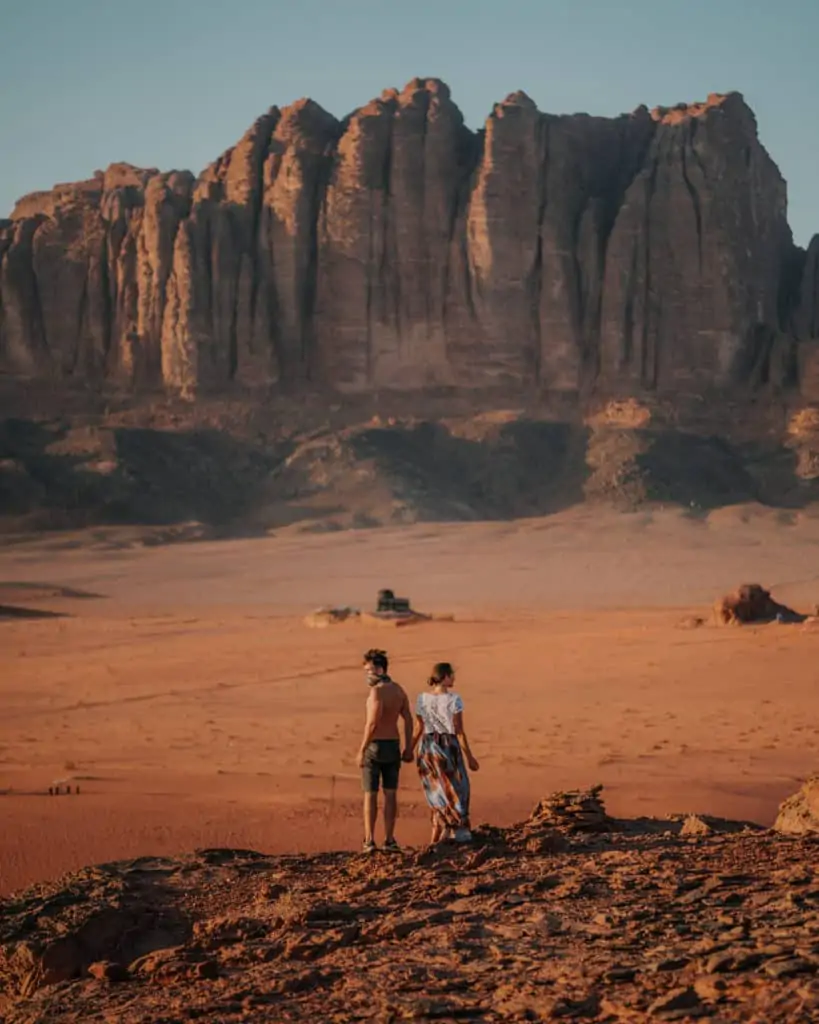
(752, 603)
(799, 814)
(575, 811)
(394, 611)
(707, 825)
(390, 611)
(321, 618)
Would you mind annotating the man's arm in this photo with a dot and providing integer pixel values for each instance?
(417, 733)
(373, 714)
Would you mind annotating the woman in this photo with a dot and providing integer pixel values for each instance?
(439, 725)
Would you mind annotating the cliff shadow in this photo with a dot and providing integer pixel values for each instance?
(59, 477)
(54, 477)
(206, 475)
(705, 472)
(519, 469)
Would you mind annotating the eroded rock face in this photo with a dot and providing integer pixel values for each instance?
(696, 256)
(807, 315)
(399, 249)
(806, 323)
(387, 229)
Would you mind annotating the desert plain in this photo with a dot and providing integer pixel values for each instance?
(180, 689)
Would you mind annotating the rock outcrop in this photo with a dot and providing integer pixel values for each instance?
(799, 814)
(751, 603)
(399, 249)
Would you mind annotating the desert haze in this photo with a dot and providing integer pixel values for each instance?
(194, 708)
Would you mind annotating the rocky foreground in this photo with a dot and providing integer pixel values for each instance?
(569, 915)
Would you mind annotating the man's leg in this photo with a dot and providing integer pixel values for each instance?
(390, 813)
(370, 814)
(370, 777)
(389, 774)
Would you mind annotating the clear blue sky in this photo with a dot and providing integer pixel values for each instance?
(172, 83)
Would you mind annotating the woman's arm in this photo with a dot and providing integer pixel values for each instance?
(458, 725)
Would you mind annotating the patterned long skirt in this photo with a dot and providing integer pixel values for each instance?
(445, 779)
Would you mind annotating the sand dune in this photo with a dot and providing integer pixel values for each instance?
(192, 706)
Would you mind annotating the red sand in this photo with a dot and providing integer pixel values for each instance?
(195, 709)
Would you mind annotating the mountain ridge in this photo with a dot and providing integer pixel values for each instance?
(396, 248)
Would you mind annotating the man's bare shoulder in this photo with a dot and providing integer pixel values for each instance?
(399, 691)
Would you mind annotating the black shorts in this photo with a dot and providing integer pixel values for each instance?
(382, 763)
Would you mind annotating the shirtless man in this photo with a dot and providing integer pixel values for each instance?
(380, 755)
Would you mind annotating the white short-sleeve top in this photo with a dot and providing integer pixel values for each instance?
(437, 711)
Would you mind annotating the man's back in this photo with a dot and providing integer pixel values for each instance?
(390, 701)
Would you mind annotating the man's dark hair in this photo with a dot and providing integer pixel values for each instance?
(378, 660)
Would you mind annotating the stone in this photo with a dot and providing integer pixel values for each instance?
(710, 988)
(670, 964)
(720, 963)
(159, 963)
(790, 967)
(799, 813)
(405, 926)
(694, 825)
(677, 999)
(104, 970)
(732, 960)
(620, 975)
(208, 970)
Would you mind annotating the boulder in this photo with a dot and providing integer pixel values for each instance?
(799, 814)
(751, 603)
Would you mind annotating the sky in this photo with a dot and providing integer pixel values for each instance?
(173, 83)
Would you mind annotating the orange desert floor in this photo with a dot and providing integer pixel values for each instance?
(194, 708)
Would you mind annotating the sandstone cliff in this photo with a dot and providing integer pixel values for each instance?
(399, 249)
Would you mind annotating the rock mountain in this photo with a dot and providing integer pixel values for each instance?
(399, 249)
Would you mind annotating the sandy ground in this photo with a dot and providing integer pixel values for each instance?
(194, 708)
